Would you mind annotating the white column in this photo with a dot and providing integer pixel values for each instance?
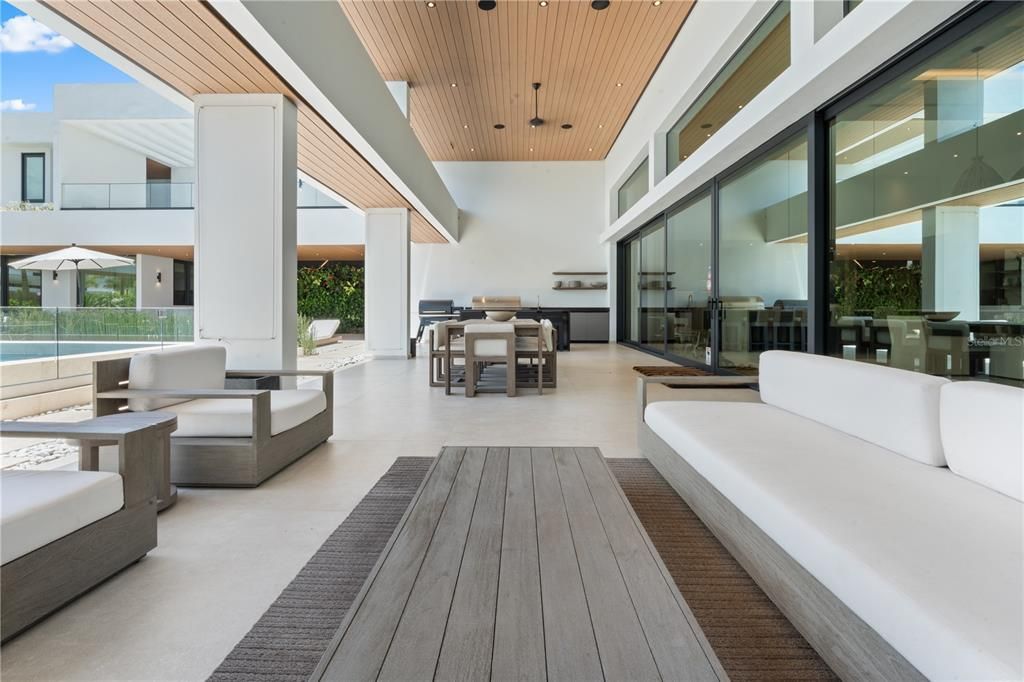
(950, 279)
(61, 292)
(809, 21)
(245, 289)
(154, 281)
(387, 282)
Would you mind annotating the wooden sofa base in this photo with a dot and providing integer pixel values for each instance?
(851, 647)
(40, 582)
(241, 462)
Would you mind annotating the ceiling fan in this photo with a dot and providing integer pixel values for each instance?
(536, 120)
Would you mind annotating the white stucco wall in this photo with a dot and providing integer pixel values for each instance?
(519, 223)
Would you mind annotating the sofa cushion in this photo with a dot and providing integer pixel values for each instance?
(983, 434)
(187, 367)
(930, 560)
(229, 418)
(38, 507)
(893, 408)
(489, 348)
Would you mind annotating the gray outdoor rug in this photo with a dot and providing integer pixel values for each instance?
(753, 640)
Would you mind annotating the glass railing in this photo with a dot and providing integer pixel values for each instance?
(42, 344)
(115, 195)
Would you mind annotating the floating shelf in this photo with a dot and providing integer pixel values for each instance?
(580, 288)
(589, 274)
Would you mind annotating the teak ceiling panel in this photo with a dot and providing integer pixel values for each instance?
(578, 54)
(186, 44)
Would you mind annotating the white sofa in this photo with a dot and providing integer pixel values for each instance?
(225, 437)
(859, 495)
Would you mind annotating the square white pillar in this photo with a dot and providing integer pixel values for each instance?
(245, 286)
(387, 282)
(60, 292)
(950, 273)
(154, 281)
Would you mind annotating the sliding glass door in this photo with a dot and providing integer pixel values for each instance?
(652, 284)
(688, 281)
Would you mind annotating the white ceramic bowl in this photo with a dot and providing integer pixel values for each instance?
(500, 315)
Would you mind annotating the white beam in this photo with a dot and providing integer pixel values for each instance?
(315, 49)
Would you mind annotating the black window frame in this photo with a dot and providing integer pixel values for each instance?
(25, 156)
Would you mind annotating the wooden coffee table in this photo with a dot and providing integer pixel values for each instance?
(519, 563)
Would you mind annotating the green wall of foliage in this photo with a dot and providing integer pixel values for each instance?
(876, 290)
(334, 292)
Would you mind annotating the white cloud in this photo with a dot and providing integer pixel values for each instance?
(16, 105)
(24, 34)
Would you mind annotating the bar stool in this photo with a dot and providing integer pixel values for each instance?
(490, 343)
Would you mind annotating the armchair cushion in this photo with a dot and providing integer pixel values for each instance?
(189, 367)
(38, 507)
(219, 418)
(489, 348)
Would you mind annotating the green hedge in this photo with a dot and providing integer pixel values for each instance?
(333, 292)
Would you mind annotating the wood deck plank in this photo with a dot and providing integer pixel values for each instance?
(625, 653)
(519, 623)
(468, 638)
(367, 634)
(658, 604)
(569, 635)
(417, 641)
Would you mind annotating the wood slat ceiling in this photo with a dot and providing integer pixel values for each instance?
(185, 44)
(579, 55)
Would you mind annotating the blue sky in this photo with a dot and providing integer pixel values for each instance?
(33, 60)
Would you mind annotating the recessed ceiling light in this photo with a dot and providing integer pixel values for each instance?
(955, 156)
(740, 106)
(566, 126)
(656, 3)
(599, 4)
(590, 149)
(531, 149)
(708, 135)
(499, 126)
(600, 125)
(431, 5)
(487, 5)
(472, 149)
(465, 126)
(906, 172)
(543, 3)
(618, 85)
(454, 85)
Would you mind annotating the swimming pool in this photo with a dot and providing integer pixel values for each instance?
(11, 351)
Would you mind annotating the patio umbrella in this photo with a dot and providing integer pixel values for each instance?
(71, 258)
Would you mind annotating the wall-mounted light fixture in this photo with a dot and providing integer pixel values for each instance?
(159, 277)
(54, 276)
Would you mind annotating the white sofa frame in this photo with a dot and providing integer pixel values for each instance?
(38, 583)
(850, 646)
(223, 462)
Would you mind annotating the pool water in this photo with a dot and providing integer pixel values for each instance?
(11, 351)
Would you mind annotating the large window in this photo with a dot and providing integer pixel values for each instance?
(110, 288)
(927, 213)
(21, 287)
(688, 280)
(635, 186)
(33, 177)
(763, 257)
(760, 60)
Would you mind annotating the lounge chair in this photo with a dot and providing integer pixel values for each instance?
(64, 532)
(225, 437)
(323, 331)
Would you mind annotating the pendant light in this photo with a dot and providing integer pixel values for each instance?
(536, 120)
(979, 174)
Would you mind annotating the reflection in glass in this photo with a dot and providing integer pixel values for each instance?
(652, 286)
(109, 288)
(927, 202)
(763, 257)
(689, 275)
(634, 188)
(632, 331)
(24, 287)
(760, 60)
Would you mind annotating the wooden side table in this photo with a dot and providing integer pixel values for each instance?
(165, 423)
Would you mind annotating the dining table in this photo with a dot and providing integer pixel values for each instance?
(527, 328)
